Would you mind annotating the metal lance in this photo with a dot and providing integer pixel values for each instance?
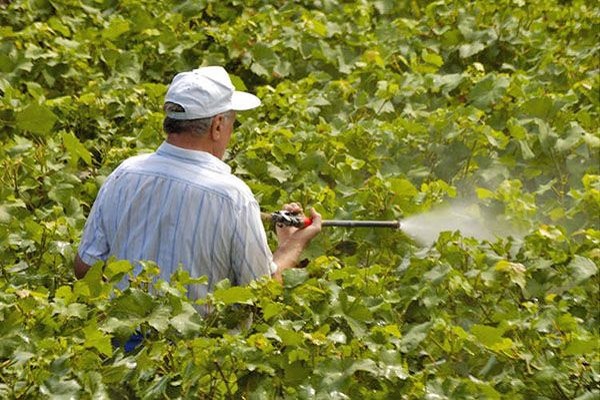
(288, 219)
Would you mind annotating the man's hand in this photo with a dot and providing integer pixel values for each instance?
(292, 241)
(284, 232)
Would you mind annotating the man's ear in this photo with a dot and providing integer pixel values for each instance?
(216, 127)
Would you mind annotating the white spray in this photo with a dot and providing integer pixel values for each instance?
(467, 218)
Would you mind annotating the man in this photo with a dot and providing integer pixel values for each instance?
(181, 206)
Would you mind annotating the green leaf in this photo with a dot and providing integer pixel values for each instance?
(290, 337)
(4, 214)
(403, 187)
(491, 337)
(317, 27)
(277, 173)
(354, 309)
(65, 293)
(133, 303)
(235, 294)
(515, 271)
(488, 91)
(91, 285)
(433, 59)
(469, 49)
(238, 83)
(264, 60)
(581, 269)
(367, 365)
(582, 347)
(293, 277)
(391, 365)
(483, 193)
(526, 151)
(94, 338)
(487, 389)
(567, 323)
(159, 318)
(188, 321)
(77, 310)
(119, 327)
(75, 149)
(589, 395)
(540, 107)
(60, 388)
(295, 372)
(115, 270)
(115, 28)
(414, 336)
(36, 118)
(448, 82)
(21, 146)
(272, 310)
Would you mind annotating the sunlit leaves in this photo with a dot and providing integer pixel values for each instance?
(491, 337)
(234, 295)
(320, 317)
(94, 338)
(116, 27)
(374, 110)
(75, 149)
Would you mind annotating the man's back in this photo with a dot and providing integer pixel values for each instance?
(183, 207)
(179, 207)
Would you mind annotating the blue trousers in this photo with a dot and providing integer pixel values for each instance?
(131, 344)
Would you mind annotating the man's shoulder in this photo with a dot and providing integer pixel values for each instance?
(131, 163)
(198, 179)
(228, 186)
(135, 160)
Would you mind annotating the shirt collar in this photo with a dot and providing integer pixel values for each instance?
(197, 157)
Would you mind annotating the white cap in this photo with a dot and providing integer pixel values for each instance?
(206, 92)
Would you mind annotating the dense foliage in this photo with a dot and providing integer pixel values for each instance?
(371, 109)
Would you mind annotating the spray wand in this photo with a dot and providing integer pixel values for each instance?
(289, 219)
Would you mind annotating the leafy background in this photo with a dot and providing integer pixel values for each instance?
(371, 109)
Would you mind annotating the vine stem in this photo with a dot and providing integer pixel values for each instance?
(224, 379)
(468, 163)
(563, 395)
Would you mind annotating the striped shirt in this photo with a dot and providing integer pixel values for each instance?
(179, 207)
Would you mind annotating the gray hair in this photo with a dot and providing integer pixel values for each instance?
(196, 127)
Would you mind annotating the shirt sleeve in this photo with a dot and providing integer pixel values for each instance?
(94, 245)
(251, 256)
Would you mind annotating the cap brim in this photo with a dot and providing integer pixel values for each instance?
(241, 101)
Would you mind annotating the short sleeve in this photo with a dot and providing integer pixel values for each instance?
(251, 256)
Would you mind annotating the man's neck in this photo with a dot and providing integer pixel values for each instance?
(187, 141)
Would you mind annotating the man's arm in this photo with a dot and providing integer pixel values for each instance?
(80, 267)
(292, 241)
